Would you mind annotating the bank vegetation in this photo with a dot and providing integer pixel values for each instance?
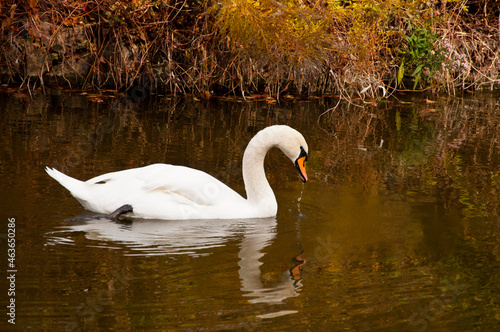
(352, 48)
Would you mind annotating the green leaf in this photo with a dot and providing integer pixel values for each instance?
(401, 72)
(416, 81)
(418, 70)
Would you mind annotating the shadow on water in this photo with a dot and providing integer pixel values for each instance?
(398, 228)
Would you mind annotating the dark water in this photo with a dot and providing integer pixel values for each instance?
(398, 228)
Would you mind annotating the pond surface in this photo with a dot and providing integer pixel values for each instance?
(398, 228)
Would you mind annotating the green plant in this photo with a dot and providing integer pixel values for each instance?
(420, 55)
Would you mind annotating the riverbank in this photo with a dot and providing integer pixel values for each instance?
(361, 48)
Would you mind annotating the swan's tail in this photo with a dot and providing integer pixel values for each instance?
(76, 187)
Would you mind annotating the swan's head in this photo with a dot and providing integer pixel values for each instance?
(294, 146)
(287, 139)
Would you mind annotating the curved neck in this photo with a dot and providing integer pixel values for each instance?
(256, 185)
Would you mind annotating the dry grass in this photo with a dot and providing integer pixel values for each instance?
(286, 47)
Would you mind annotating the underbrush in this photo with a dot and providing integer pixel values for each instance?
(360, 48)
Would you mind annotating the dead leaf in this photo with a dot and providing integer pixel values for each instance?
(34, 4)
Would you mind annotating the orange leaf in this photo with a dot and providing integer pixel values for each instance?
(34, 4)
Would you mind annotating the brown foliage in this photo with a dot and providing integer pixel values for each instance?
(280, 47)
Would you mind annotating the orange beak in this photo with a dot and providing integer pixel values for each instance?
(300, 164)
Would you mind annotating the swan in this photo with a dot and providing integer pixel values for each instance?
(171, 192)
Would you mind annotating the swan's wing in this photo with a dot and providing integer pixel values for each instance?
(177, 184)
(188, 184)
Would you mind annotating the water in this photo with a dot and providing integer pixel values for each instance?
(397, 229)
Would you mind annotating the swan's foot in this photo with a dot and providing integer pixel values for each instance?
(118, 212)
(112, 216)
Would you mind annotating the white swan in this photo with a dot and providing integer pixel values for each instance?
(172, 192)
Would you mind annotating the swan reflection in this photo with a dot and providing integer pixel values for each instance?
(192, 237)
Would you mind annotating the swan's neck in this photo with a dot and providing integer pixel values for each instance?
(257, 187)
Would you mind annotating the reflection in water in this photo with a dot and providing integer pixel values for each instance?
(249, 255)
(193, 237)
